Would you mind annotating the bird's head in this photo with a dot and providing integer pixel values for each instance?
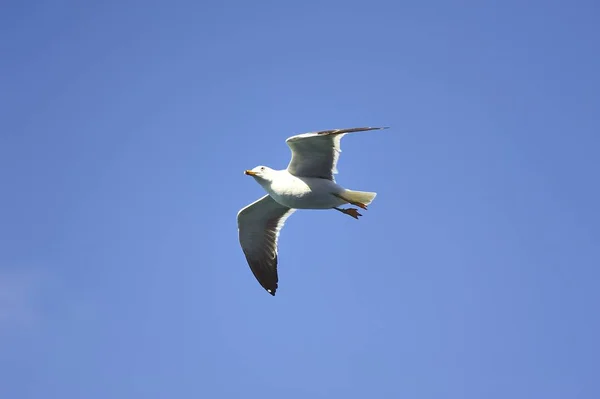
(260, 173)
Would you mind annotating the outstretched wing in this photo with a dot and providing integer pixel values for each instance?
(258, 229)
(316, 154)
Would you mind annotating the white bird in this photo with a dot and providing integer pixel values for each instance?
(307, 183)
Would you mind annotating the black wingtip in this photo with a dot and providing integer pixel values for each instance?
(350, 130)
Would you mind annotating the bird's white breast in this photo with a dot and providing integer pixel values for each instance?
(304, 192)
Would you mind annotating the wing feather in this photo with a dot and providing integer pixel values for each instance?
(316, 154)
(259, 225)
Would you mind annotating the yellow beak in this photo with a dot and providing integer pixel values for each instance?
(250, 173)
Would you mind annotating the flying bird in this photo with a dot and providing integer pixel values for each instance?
(307, 183)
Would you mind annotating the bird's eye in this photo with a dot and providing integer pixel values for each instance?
(262, 168)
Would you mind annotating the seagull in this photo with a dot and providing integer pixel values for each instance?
(307, 183)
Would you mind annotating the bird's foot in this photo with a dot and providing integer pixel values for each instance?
(360, 205)
(349, 211)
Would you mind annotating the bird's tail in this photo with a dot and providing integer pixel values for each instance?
(364, 197)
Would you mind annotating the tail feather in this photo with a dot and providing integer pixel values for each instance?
(364, 197)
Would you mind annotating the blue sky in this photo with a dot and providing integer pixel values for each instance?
(124, 131)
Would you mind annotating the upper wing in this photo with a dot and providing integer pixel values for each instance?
(316, 154)
(258, 228)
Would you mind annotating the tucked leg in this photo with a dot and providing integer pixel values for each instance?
(349, 211)
(358, 204)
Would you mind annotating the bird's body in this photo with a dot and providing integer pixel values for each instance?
(303, 192)
(307, 183)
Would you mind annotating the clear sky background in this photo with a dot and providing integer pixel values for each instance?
(125, 127)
